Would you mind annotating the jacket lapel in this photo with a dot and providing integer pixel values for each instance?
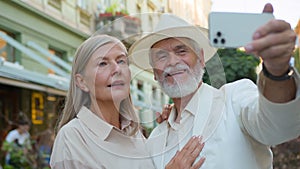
(157, 142)
(209, 111)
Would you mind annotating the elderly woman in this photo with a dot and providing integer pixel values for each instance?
(99, 127)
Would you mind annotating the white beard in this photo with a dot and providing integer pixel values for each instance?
(182, 88)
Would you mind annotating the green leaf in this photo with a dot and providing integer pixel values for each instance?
(237, 64)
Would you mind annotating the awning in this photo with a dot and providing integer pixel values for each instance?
(11, 74)
(33, 55)
(15, 75)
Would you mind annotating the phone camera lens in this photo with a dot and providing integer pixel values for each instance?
(219, 34)
(215, 40)
(223, 41)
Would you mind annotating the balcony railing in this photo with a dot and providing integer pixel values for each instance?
(118, 22)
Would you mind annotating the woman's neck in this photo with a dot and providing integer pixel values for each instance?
(108, 111)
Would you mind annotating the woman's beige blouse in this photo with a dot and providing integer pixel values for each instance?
(87, 142)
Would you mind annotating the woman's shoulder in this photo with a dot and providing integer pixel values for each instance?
(70, 129)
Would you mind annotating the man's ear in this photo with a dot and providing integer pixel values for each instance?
(202, 60)
(80, 82)
(155, 78)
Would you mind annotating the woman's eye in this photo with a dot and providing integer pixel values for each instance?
(101, 64)
(122, 61)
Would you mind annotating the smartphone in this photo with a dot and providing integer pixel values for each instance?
(233, 30)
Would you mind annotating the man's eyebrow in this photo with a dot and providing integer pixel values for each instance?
(158, 51)
(181, 46)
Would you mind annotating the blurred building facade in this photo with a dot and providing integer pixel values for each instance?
(38, 39)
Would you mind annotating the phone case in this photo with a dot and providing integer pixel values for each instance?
(233, 30)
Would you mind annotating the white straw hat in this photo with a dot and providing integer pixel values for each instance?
(168, 26)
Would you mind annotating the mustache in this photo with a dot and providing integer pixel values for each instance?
(175, 68)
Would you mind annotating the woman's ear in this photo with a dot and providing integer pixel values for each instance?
(80, 82)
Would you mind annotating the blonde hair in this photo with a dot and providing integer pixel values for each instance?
(76, 98)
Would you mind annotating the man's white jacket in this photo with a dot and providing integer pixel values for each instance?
(238, 125)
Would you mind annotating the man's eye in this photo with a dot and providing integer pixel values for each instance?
(181, 52)
(162, 57)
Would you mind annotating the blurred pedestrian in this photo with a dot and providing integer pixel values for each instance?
(17, 144)
(44, 145)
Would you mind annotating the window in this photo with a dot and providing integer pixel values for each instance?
(59, 53)
(139, 8)
(162, 98)
(107, 2)
(6, 50)
(82, 4)
(154, 92)
(55, 3)
(140, 88)
(85, 16)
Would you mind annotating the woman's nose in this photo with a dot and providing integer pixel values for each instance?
(116, 69)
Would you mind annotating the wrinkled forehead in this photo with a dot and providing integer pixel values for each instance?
(172, 42)
(109, 50)
(110, 46)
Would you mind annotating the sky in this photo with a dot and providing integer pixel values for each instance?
(288, 10)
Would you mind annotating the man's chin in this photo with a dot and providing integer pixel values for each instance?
(179, 91)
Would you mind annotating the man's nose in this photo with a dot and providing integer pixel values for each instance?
(173, 58)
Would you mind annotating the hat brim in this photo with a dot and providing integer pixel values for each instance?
(139, 51)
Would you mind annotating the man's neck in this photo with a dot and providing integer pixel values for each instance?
(180, 103)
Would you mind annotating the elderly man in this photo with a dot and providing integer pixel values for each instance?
(240, 121)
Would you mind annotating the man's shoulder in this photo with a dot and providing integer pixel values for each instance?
(239, 85)
(159, 130)
(12, 135)
(156, 141)
(242, 83)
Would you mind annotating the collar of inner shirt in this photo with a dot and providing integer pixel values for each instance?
(190, 109)
(171, 120)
